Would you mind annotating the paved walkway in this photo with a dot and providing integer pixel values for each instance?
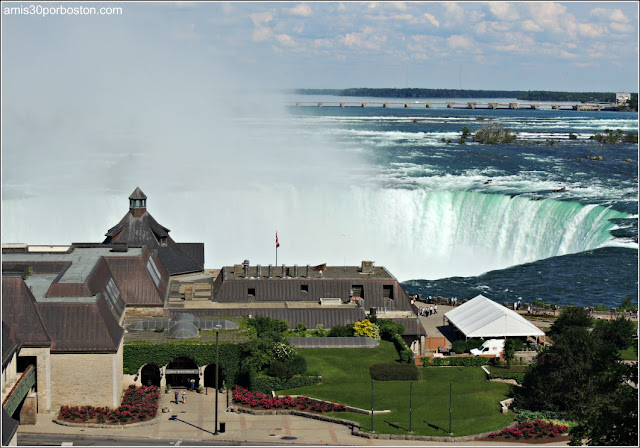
(194, 421)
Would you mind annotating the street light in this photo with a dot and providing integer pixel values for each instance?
(217, 329)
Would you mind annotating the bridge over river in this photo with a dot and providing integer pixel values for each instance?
(458, 105)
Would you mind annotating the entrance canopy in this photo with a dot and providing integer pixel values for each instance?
(481, 317)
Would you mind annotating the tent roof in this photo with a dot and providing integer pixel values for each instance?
(481, 317)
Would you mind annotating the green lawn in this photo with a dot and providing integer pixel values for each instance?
(345, 372)
(629, 354)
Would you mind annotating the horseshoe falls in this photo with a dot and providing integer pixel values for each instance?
(552, 216)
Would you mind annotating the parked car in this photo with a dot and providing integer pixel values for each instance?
(489, 347)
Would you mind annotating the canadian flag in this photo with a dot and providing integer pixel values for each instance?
(277, 244)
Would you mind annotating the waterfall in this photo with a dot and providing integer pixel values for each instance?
(416, 234)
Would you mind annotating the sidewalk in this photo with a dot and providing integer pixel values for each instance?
(194, 421)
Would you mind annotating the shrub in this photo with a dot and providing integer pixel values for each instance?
(286, 368)
(389, 328)
(267, 384)
(394, 372)
(494, 133)
(523, 415)
(264, 325)
(466, 361)
(301, 327)
(366, 328)
(343, 331)
(406, 354)
(459, 347)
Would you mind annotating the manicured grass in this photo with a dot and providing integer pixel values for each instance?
(512, 369)
(629, 354)
(346, 380)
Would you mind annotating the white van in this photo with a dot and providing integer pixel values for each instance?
(489, 347)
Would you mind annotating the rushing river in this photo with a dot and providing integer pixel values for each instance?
(536, 219)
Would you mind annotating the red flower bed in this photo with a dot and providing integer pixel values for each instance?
(265, 401)
(537, 431)
(138, 404)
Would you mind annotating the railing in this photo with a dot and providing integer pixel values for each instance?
(19, 390)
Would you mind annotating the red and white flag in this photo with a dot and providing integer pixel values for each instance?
(277, 244)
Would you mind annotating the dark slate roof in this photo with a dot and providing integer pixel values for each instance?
(81, 327)
(10, 343)
(138, 194)
(19, 309)
(291, 289)
(9, 428)
(412, 326)
(194, 250)
(328, 318)
(145, 231)
(134, 282)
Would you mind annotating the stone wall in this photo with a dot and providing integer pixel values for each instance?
(86, 379)
(141, 311)
(43, 375)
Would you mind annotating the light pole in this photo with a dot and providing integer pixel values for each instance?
(217, 328)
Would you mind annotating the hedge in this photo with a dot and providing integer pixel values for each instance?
(406, 354)
(394, 372)
(137, 354)
(523, 415)
(465, 361)
(508, 376)
(267, 384)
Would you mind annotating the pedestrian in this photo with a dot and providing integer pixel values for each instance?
(435, 309)
(431, 310)
(529, 309)
(515, 306)
(192, 382)
(184, 396)
(176, 395)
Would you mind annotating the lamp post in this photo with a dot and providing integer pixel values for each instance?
(217, 328)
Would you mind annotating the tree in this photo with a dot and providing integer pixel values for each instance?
(494, 133)
(614, 421)
(509, 351)
(571, 316)
(582, 375)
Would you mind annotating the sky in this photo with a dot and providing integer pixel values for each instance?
(171, 97)
(567, 46)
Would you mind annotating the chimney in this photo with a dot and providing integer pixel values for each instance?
(284, 271)
(270, 271)
(308, 267)
(245, 265)
(295, 271)
(258, 271)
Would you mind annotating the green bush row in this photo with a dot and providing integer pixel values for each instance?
(508, 376)
(266, 384)
(394, 372)
(465, 361)
(406, 354)
(523, 415)
(461, 346)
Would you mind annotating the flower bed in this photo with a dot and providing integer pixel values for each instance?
(536, 431)
(265, 401)
(138, 404)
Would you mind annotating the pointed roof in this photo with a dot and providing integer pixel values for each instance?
(481, 317)
(138, 194)
(144, 230)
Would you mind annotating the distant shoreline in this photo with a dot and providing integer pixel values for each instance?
(525, 95)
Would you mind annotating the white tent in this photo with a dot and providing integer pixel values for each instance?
(483, 318)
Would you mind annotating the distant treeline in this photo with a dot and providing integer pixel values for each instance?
(525, 95)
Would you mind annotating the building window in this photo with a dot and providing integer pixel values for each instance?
(251, 292)
(137, 202)
(304, 288)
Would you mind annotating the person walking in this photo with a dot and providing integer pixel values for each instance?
(192, 382)
(176, 395)
(435, 309)
(184, 396)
